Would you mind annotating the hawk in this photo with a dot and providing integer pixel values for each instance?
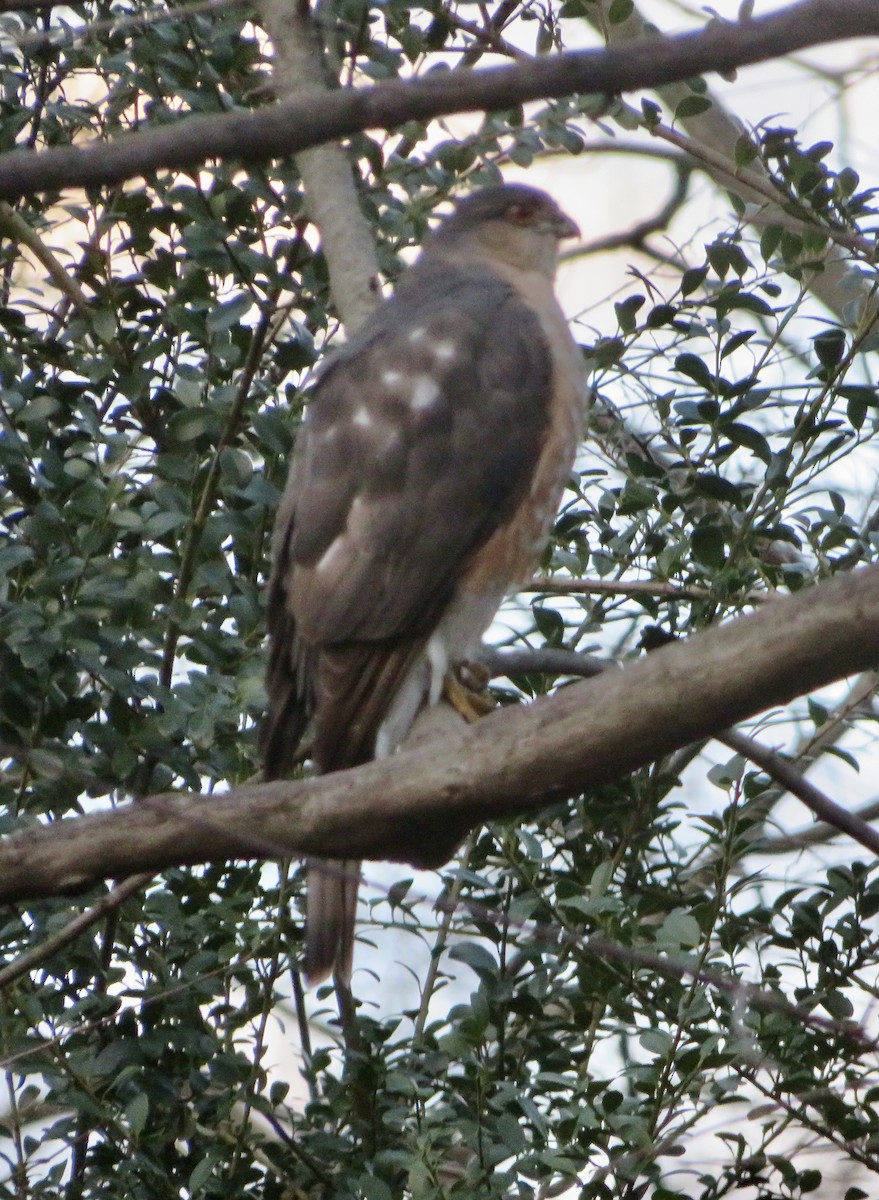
(425, 479)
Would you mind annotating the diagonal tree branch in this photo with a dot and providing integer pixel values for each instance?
(416, 806)
(295, 125)
(711, 142)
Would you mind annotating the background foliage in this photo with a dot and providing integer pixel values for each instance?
(156, 338)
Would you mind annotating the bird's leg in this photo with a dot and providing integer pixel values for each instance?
(464, 688)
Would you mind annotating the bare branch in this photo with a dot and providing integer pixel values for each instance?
(638, 234)
(545, 661)
(795, 782)
(417, 806)
(295, 125)
(550, 661)
(562, 585)
(330, 194)
(815, 835)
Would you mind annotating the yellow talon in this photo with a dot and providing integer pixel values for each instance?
(464, 688)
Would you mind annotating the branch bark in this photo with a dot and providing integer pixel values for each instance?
(416, 806)
(330, 193)
(295, 125)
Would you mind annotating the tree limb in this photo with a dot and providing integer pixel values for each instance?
(416, 806)
(295, 125)
(330, 194)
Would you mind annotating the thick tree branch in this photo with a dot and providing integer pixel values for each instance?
(416, 806)
(295, 125)
(330, 194)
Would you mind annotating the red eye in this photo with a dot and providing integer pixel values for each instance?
(520, 214)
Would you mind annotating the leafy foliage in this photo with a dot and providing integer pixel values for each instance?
(584, 1020)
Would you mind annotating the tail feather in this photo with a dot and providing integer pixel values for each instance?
(330, 918)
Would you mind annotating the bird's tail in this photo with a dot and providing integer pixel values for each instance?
(329, 919)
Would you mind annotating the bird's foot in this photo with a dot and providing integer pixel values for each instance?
(464, 688)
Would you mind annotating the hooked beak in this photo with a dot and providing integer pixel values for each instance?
(564, 227)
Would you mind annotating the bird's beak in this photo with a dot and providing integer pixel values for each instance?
(564, 227)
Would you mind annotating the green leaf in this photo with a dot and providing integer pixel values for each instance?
(752, 439)
(137, 1111)
(708, 547)
(692, 279)
(680, 928)
(770, 240)
(652, 112)
(656, 1041)
(860, 393)
(626, 312)
(659, 315)
(693, 367)
(744, 151)
(510, 1133)
(620, 11)
(730, 300)
(692, 106)
(201, 1174)
(104, 324)
(838, 1005)
(718, 488)
(601, 878)
(475, 955)
(189, 424)
(371, 1188)
(229, 313)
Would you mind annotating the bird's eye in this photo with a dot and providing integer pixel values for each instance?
(521, 214)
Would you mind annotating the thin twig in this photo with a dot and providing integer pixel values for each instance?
(765, 189)
(636, 236)
(447, 908)
(815, 835)
(560, 585)
(784, 772)
(599, 947)
(71, 931)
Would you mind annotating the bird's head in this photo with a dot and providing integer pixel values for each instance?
(511, 223)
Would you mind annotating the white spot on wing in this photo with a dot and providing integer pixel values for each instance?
(362, 418)
(444, 351)
(425, 392)
(391, 378)
(331, 556)
(418, 334)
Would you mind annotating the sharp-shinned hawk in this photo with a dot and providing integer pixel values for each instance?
(425, 480)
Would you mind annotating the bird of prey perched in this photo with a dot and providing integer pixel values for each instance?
(424, 483)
